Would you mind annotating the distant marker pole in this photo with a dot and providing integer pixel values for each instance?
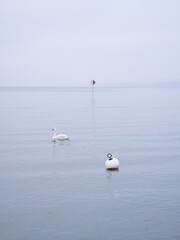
(93, 82)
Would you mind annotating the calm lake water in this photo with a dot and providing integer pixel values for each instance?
(62, 191)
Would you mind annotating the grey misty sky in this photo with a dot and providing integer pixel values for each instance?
(69, 43)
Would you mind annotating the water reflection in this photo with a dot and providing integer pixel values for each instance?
(93, 126)
(60, 142)
(93, 108)
(93, 97)
(110, 185)
(54, 150)
(55, 146)
(110, 173)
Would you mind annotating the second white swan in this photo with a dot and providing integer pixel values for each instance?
(61, 137)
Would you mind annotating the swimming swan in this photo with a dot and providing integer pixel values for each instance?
(59, 136)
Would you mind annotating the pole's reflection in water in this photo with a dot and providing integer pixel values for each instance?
(92, 95)
(93, 126)
(93, 116)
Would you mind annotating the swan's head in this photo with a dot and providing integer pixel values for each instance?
(54, 129)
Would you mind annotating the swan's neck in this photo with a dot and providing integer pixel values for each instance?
(54, 133)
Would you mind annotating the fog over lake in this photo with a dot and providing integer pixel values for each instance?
(69, 43)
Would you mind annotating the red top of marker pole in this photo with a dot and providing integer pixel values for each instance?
(93, 82)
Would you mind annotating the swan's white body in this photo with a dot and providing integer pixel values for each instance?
(112, 163)
(61, 137)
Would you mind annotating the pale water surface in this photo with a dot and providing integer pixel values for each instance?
(62, 191)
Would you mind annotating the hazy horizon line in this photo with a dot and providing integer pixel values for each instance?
(142, 86)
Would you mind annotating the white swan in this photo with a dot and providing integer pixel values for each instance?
(111, 163)
(59, 136)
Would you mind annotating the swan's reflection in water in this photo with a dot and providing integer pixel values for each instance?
(56, 144)
(54, 150)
